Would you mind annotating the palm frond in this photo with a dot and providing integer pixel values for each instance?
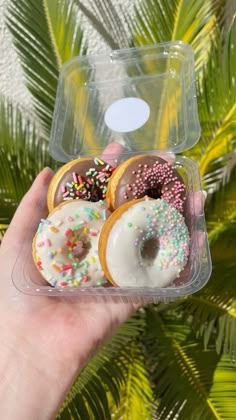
(223, 390)
(108, 20)
(45, 33)
(22, 155)
(213, 308)
(217, 105)
(105, 373)
(221, 200)
(220, 172)
(212, 311)
(155, 21)
(135, 393)
(185, 376)
(190, 21)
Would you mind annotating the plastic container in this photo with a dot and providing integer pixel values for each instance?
(144, 99)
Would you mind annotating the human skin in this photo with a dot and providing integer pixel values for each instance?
(45, 341)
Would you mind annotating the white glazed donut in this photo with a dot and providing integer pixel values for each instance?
(65, 247)
(144, 243)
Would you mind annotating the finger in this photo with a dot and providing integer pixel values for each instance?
(204, 195)
(112, 153)
(27, 216)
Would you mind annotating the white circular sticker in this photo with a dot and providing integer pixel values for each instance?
(127, 114)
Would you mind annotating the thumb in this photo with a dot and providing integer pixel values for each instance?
(28, 214)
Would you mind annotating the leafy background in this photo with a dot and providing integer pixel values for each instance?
(174, 361)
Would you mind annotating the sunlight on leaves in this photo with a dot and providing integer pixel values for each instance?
(45, 34)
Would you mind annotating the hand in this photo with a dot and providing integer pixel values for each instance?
(44, 341)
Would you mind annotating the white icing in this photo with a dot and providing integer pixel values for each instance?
(87, 219)
(167, 250)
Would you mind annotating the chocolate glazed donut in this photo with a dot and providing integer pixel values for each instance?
(83, 178)
(146, 175)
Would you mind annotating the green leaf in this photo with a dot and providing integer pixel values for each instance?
(106, 372)
(108, 20)
(45, 33)
(222, 240)
(23, 153)
(186, 377)
(223, 390)
(3, 229)
(217, 106)
(220, 174)
(212, 311)
(192, 21)
(221, 203)
(135, 394)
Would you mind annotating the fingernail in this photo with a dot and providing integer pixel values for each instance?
(47, 174)
(48, 169)
(204, 194)
(43, 177)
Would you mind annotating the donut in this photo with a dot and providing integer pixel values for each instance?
(144, 243)
(82, 178)
(65, 247)
(146, 175)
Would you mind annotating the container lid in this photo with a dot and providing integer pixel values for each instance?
(143, 98)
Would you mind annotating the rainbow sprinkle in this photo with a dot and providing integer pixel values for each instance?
(66, 251)
(91, 187)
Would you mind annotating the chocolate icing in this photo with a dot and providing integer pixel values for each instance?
(150, 176)
(90, 192)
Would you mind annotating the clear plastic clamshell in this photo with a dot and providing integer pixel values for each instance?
(144, 100)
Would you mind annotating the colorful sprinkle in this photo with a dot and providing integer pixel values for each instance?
(40, 243)
(56, 268)
(66, 267)
(53, 282)
(39, 265)
(93, 232)
(92, 186)
(46, 221)
(63, 283)
(53, 229)
(76, 283)
(40, 228)
(72, 261)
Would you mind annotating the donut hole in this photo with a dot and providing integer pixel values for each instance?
(96, 194)
(154, 192)
(82, 247)
(82, 254)
(149, 249)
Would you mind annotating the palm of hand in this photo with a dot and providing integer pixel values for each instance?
(63, 332)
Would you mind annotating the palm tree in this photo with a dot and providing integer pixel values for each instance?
(173, 360)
